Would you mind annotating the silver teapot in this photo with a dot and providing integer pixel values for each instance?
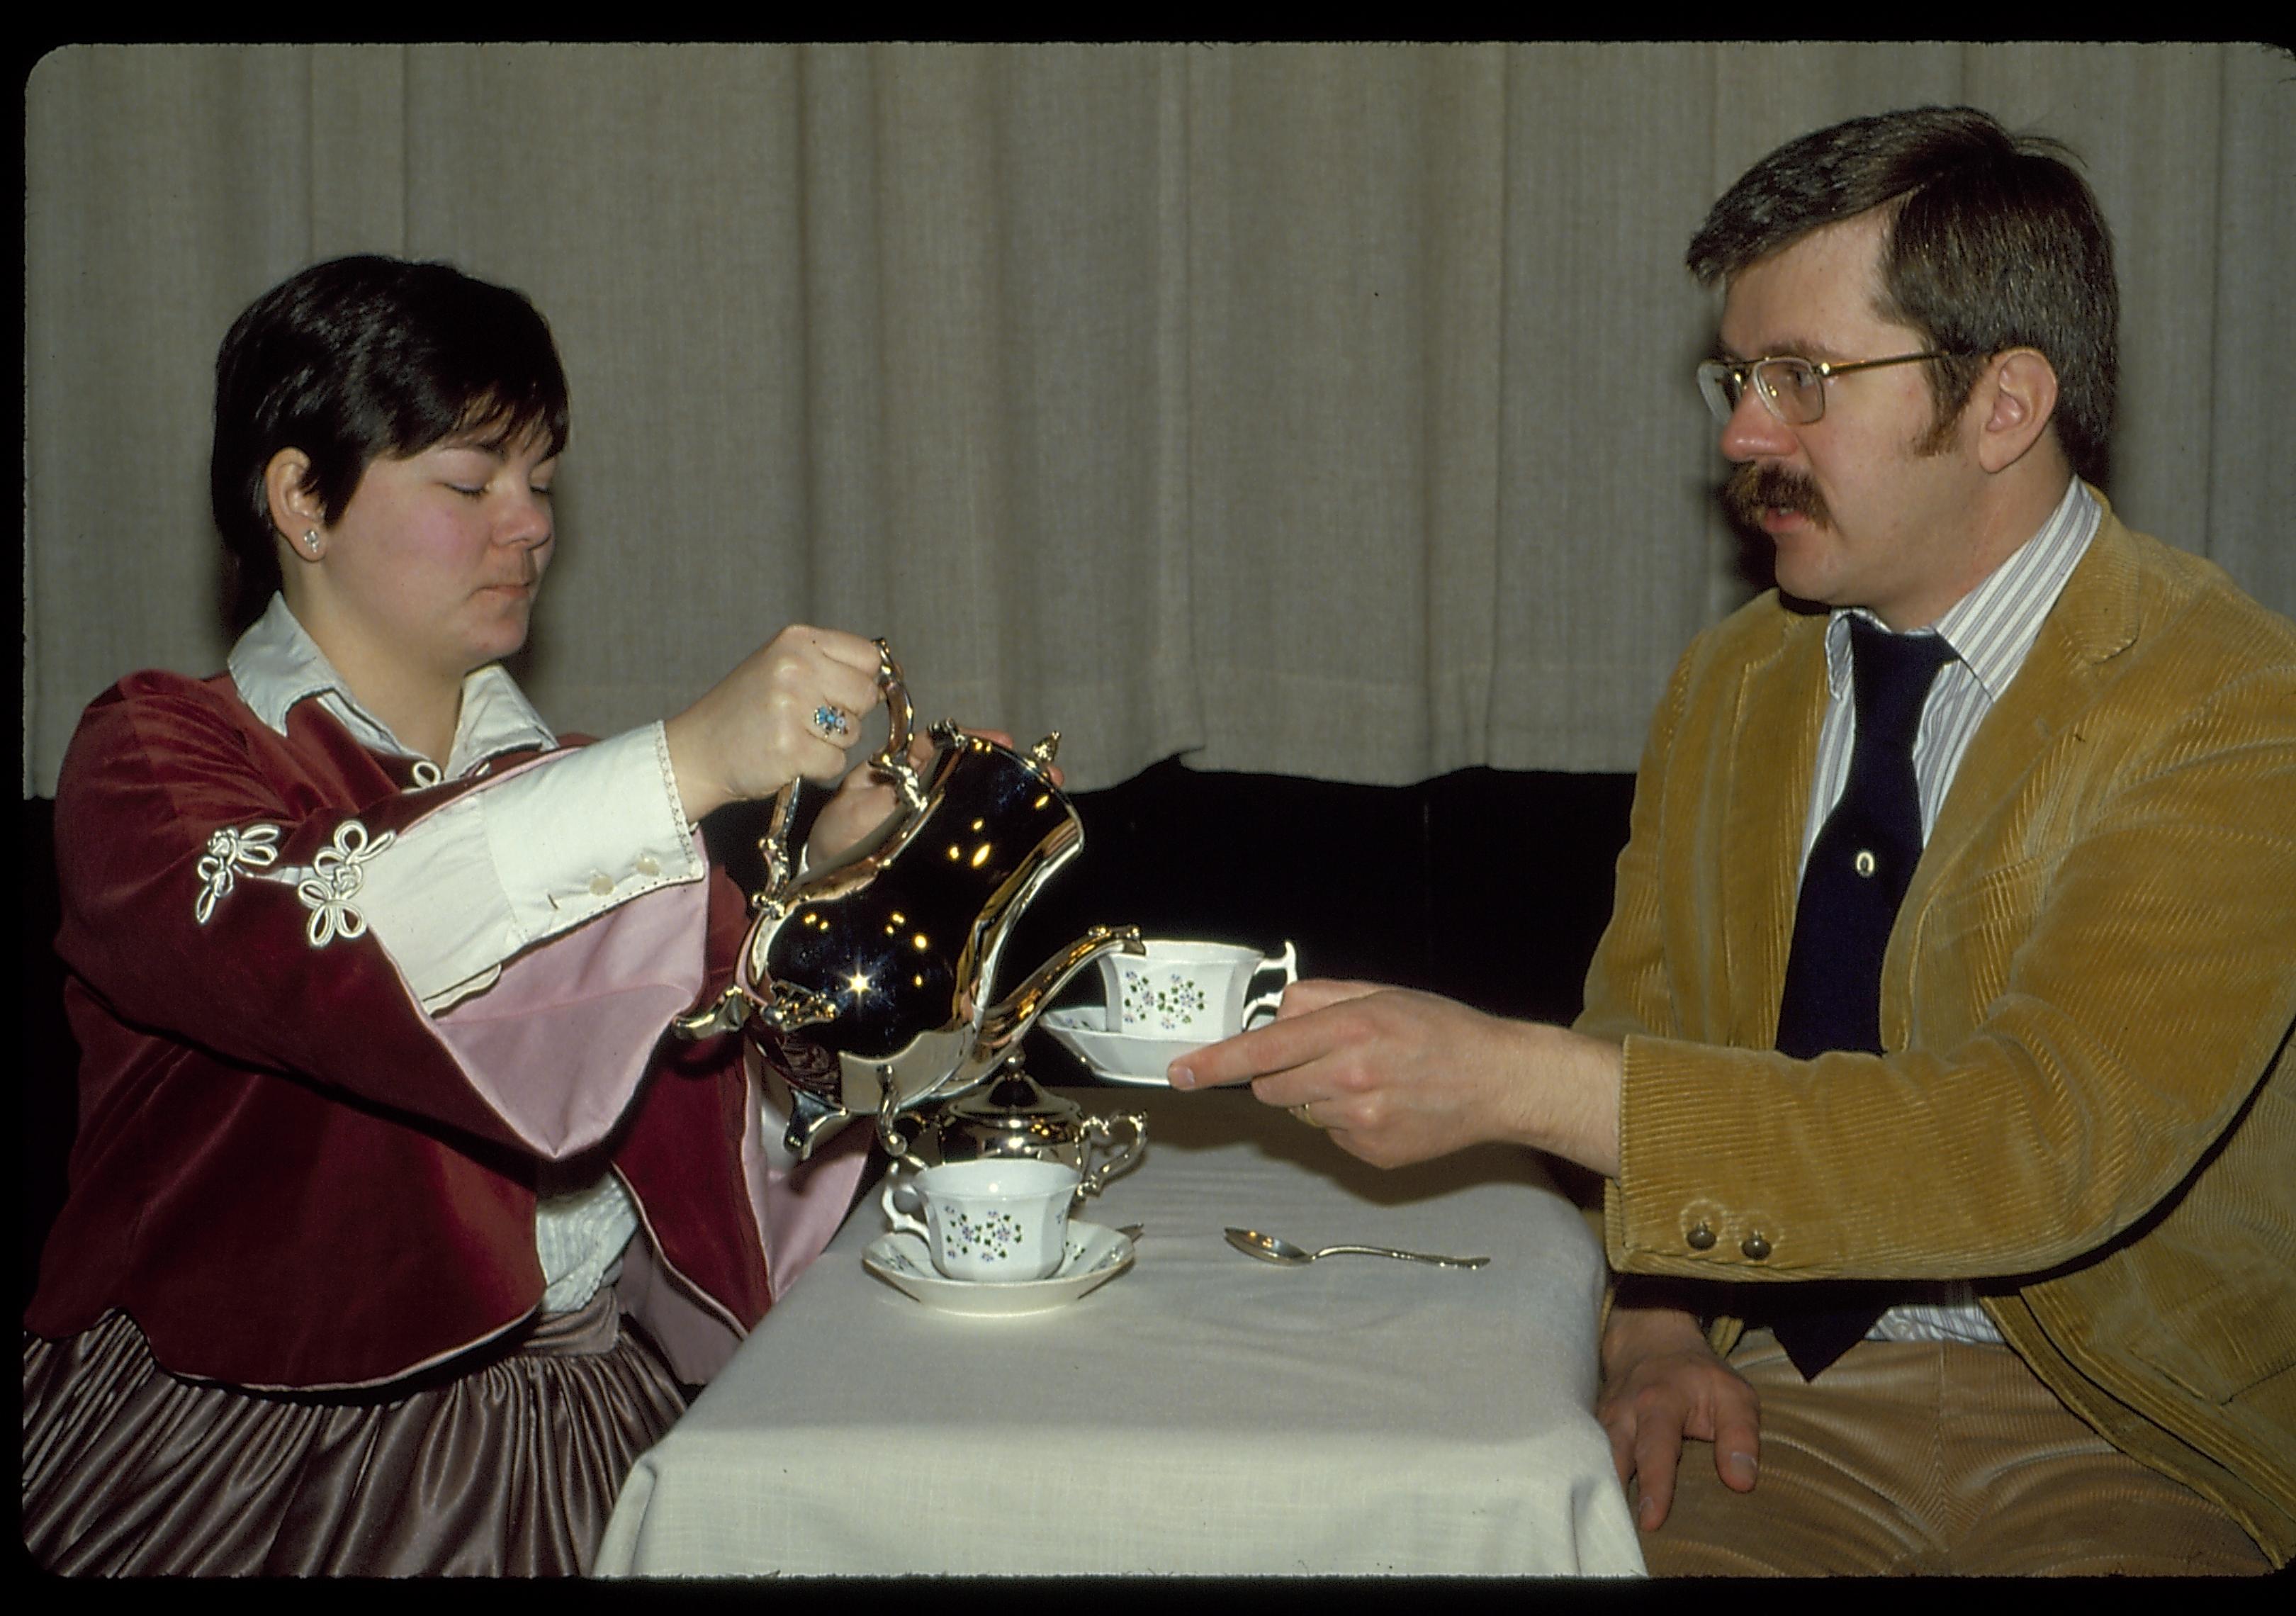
(865, 985)
(1014, 1115)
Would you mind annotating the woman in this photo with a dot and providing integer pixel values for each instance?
(379, 1133)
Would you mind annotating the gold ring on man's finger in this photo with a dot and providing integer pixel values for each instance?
(833, 722)
(1305, 1115)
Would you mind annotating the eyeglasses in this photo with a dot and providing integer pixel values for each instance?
(1793, 390)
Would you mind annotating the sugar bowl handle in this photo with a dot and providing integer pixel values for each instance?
(1098, 1134)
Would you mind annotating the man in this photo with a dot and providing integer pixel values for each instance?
(2013, 1122)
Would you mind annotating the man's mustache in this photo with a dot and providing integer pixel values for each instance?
(1755, 488)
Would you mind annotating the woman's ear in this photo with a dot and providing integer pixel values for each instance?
(298, 514)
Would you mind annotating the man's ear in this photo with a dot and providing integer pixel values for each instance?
(2017, 396)
(298, 513)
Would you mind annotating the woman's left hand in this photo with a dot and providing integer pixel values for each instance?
(865, 800)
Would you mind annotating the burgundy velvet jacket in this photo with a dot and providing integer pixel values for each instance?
(285, 1173)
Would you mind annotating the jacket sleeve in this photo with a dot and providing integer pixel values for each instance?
(1627, 988)
(475, 880)
(219, 894)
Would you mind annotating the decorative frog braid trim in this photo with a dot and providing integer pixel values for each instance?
(229, 851)
(335, 879)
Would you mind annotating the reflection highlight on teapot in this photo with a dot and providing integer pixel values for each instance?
(865, 985)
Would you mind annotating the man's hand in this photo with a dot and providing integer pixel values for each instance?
(1661, 1382)
(1399, 1077)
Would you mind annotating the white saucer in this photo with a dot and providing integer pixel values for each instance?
(1097, 1255)
(1117, 1057)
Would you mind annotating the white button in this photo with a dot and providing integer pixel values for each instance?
(1864, 862)
(648, 864)
(603, 886)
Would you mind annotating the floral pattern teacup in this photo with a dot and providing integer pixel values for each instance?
(1179, 990)
(993, 1220)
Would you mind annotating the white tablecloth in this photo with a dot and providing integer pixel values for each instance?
(1203, 1413)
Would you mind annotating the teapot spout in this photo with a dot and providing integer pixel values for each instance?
(1003, 1025)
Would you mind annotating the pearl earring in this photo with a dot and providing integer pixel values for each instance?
(311, 541)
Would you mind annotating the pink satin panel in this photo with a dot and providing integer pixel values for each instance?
(799, 1211)
(696, 1342)
(559, 1043)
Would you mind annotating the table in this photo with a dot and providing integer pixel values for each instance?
(1201, 1413)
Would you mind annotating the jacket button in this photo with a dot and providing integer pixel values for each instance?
(1756, 1245)
(602, 886)
(648, 864)
(1701, 1238)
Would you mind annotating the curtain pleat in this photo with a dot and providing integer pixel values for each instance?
(1309, 409)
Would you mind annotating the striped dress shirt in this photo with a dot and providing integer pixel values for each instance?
(1991, 628)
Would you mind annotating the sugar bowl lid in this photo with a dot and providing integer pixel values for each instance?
(1014, 1104)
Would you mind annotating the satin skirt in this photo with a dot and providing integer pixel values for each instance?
(507, 1468)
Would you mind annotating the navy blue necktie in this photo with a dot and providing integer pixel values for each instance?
(1859, 870)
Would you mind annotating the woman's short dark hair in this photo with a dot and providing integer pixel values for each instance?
(1993, 242)
(360, 358)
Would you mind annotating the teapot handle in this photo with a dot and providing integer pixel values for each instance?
(893, 763)
(773, 845)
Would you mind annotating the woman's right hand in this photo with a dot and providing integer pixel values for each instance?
(753, 732)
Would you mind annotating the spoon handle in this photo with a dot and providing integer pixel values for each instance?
(1440, 1262)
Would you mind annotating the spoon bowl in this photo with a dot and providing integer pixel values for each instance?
(1275, 1248)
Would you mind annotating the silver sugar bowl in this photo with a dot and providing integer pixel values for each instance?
(1014, 1115)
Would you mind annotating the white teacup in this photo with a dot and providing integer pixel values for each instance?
(999, 1218)
(1200, 991)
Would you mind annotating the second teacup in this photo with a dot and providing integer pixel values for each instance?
(1180, 989)
(994, 1220)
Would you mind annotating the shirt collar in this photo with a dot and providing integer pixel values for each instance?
(1992, 626)
(277, 664)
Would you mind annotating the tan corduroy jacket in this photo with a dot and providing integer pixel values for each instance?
(2089, 1091)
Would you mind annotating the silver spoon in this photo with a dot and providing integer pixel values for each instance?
(1272, 1248)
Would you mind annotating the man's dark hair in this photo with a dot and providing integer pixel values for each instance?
(1993, 242)
(362, 358)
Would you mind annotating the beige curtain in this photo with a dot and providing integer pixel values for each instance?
(1322, 410)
